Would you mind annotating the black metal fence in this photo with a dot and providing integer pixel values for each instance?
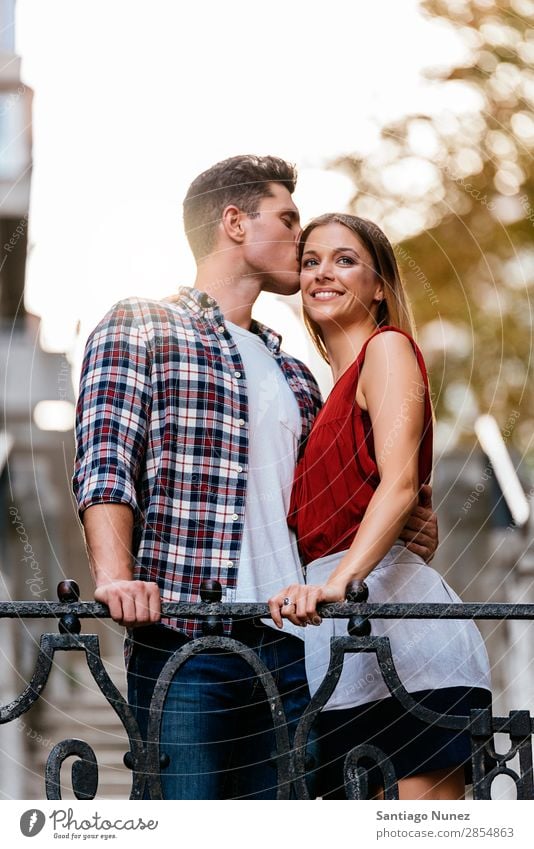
(147, 762)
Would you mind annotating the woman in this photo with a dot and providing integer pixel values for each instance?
(358, 480)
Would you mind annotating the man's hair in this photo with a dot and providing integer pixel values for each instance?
(241, 180)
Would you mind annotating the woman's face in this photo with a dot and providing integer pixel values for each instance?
(337, 278)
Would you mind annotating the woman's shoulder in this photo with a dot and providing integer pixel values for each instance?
(393, 349)
(390, 340)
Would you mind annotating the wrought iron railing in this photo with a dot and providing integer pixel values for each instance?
(147, 762)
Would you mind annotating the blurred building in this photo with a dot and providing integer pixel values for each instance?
(15, 168)
(39, 534)
(486, 558)
(15, 171)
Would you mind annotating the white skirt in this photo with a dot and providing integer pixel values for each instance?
(427, 653)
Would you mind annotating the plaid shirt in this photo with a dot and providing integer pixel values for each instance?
(162, 425)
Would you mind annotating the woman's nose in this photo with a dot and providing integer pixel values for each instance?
(323, 271)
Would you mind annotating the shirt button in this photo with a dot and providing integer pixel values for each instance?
(237, 374)
(239, 468)
(229, 563)
(241, 422)
(235, 517)
(221, 328)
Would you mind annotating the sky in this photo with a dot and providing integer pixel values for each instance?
(133, 99)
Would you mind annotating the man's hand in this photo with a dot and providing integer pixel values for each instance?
(420, 532)
(131, 603)
(108, 534)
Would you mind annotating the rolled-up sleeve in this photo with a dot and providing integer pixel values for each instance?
(113, 413)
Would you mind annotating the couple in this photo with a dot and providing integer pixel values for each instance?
(190, 423)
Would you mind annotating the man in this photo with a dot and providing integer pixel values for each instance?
(190, 420)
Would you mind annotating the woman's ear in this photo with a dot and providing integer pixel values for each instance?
(379, 292)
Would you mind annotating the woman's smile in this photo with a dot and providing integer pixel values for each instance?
(325, 294)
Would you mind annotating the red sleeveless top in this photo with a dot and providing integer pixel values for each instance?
(338, 474)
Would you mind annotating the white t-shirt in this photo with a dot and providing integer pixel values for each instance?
(269, 556)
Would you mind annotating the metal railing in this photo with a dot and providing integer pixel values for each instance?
(146, 762)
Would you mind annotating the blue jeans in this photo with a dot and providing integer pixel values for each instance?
(216, 726)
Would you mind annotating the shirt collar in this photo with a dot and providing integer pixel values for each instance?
(270, 338)
(203, 305)
(197, 302)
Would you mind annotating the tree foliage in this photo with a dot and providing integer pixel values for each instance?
(456, 187)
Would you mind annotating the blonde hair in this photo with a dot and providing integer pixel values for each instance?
(394, 309)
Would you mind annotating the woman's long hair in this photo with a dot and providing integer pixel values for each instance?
(394, 309)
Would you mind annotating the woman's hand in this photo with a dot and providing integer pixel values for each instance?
(298, 602)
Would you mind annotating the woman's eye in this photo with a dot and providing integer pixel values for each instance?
(346, 260)
(307, 263)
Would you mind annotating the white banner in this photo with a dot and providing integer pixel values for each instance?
(232, 825)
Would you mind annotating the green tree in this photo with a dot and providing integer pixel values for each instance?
(457, 189)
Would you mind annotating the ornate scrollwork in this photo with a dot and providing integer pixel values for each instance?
(175, 662)
(358, 763)
(487, 763)
(339, 647)
(49, 644)
(84, 771)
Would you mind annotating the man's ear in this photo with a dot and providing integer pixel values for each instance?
(232, 223)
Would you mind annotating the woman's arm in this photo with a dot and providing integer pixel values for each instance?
(391, 388)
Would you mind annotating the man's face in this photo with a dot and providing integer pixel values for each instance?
(271, 242)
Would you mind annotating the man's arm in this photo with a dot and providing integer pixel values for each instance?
(420, 532)
(113, 415)
(108, 535)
